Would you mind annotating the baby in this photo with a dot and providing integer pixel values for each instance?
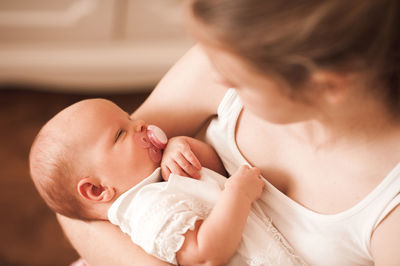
(92, 161)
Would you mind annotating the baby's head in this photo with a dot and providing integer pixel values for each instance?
(86, 156)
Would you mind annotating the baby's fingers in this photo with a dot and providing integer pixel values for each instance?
(187, 166)
(165, 172)
(255, 171)
(192, 158)
(261, 188)
(176, 169)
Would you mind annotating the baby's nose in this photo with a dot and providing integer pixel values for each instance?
(140, 125)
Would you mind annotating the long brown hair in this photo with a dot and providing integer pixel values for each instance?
(290, 37)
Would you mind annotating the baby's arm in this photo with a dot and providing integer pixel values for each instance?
(215, 239)
(185, 156)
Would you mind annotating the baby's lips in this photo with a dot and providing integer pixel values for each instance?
(142, 139)
(157, 137)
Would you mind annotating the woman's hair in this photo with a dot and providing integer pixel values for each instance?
(54, 175)
(293, 37)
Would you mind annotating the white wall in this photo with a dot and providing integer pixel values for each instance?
(90, 44)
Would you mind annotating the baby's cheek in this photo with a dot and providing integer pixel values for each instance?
(155, 155)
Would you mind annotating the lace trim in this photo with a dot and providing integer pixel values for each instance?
(162, 224)
(279, 258)
(171, 236)
(168, 242)
(159, 226)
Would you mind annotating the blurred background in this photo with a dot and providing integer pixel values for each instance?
(52, 54)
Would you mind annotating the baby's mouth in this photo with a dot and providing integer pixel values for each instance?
(153, 139)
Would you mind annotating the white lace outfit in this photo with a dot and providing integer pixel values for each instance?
(336, 239)
(157, 214)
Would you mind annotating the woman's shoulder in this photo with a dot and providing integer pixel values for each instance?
(385, 238)
(192, 81)
(186, 97)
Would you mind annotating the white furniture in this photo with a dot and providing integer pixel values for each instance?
(90, 44)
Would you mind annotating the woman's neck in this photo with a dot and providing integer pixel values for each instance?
(360, 123)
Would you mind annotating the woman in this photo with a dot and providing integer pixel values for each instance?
(315, 107)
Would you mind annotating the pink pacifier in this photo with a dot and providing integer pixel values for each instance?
(153, 139)
(157, 137)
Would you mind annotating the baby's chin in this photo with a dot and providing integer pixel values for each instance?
(157, 165)
(155, 155)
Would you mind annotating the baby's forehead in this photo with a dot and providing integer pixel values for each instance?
(63, 118)
(83, 116)
(92, 107)
(87, 113)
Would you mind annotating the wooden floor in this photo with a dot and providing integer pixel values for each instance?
(29, 232)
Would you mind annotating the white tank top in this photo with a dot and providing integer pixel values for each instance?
(320, 239)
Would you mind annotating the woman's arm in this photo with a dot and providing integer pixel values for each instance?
(103, 244)
(181, 103)
(385, 240)
(186, 98)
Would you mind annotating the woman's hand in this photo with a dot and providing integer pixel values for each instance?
(178, 158)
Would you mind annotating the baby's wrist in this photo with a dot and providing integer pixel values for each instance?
(238, 192)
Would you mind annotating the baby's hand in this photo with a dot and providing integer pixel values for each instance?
(246, 181)
(178, 158)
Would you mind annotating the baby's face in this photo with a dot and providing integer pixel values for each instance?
(104, 137)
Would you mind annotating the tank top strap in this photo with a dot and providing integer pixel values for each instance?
(230, 105)
(221, 131)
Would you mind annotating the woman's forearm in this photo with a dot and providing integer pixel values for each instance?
(101, 243)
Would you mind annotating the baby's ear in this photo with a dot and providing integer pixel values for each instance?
(91, 189)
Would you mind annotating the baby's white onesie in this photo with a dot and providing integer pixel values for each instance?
(157, 214)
